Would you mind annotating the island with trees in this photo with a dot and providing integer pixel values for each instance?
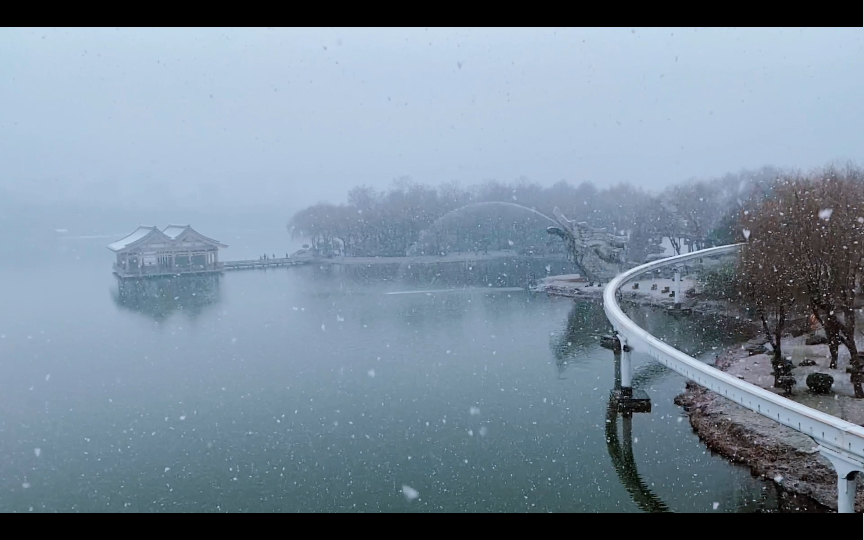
(413, 218)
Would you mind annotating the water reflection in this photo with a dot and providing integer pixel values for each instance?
(696, 335)
(625, 464)
(771, 499)
(585, 324)
(159, 298)
(693, 334)
(498, 272)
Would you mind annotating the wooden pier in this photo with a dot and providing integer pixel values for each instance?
(264, 263)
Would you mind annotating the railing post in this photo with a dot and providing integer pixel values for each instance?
(617, 352)
(623, 394)
(677, 279)
(626, 369)
(847, 479)
(847, 486)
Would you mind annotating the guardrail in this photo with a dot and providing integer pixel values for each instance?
(840, 441)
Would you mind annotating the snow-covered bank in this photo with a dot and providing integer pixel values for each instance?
(781, 454)
(570, 286)
(771, 450)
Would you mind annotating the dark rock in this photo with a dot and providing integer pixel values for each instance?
(816, 339)
(635, 286)
(807, 363)
(820, 383)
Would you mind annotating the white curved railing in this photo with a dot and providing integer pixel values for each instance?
(840, 441)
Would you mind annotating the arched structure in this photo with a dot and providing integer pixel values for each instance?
(481, 227)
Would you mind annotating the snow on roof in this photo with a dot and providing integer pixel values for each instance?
(173, 231)
(139, 233)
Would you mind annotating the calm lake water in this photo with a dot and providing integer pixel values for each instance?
(307, 390)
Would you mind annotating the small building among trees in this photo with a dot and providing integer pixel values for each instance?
(175, 250)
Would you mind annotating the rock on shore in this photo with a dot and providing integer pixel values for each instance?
(771, 450)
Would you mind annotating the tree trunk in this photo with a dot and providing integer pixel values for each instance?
(843, 333)
(832, 334)
(779, 364)
(848, 328)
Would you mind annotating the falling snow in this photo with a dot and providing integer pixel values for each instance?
(349, 438)
(410, 493)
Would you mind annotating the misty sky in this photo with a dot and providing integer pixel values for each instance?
(293, 116)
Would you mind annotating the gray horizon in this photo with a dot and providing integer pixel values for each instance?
(284, 118)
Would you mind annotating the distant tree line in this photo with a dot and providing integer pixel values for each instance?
(421, 219)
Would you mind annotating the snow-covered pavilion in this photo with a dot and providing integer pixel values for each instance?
(176, 249)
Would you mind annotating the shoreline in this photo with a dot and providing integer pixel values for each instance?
(771, 451)
(558, 287)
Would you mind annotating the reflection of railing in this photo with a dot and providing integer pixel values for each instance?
(625, 464)
(840, 441)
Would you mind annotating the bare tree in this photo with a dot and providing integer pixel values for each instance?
(768, 282)
(819, 233)
(389, 222)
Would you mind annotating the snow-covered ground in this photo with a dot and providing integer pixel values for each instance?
(840, 403)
